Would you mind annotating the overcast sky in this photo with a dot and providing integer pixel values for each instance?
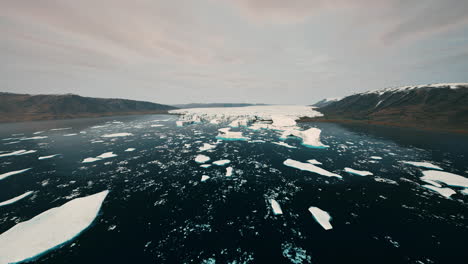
(263, 51)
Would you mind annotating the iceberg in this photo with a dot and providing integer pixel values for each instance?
(26, 152)
(106, 155)
(225, 134)
(130, 150)
(376, 157)
(448, 178)
(358, 172)
(221, 162)
(47, 157)
(89, 160)
(426, 165)
(205, 165)
(310, 137)
(47, 231)
(275, 207)
(284, 144)
(204, 178)
(314, 161)
(117, 135)
(446, 192)
(201, 158)
(229, 171)
(15, 199)
(322, 217)
(206, 147)
(309, 167)
(11, 173)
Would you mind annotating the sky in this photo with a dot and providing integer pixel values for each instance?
(239, 51)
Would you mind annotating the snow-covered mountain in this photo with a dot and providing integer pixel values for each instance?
(443, 106)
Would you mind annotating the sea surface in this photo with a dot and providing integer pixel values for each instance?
(159, 211)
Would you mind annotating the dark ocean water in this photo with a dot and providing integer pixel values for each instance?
(158, 211)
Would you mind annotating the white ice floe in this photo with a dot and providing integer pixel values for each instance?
(201, 158)
(314, 161)
(221, 162)
(11, 173)
(322, 217)
(26, 152)
(310, 137)
(47, 157)
(38, 132)
(284, 144)
(309, 167)
(226, 134)
(47, 231)
(204, 178)
(106, 155)
(14, 153)
(358, 172)
(34, 138)
(130, 149)
(59, 129)
(15, 199)
(157, 125)
(229, 171)
(205, 165)
(89, 160)
(426, 165)
(239, 122)
(432, 183)
(446, 192)
(376, 157)
(206, 147)
(275, 207)
(117, 135)
(448, 178)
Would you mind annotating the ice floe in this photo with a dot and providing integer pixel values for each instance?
(14, 153)
(157, 125)
(309, 167)
(204, 178)
(47, 157)
(375, 157)
(358, 172)
(26, 152)
(206, 147)
(426, 165)
(11, 173)
(117, 135)
(446, 192)
(106, 155)
(310, 137)
(205, 165)
(314, 161)
(89, 160)
(275, 207)
(284, 144)
(226, 134)
(32, 238)
(229, 171)
(15, 199)
(60, 129)
(130, 150)
(201, 158)
(322, 217)
(70, 135)
(221, 162)
(34, 138)
(448, 178)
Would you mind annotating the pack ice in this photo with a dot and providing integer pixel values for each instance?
(47, 231)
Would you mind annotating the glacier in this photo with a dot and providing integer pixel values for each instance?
(49, 230)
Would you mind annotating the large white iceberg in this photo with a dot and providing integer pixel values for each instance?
(310, 137)
(309, 167)
(276, 207)
(32, 238)
(426, 165)
(8, 174)
(322, 217)
(445, 177)
(15, 199)
(358, 172)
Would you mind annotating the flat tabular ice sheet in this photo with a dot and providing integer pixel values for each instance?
(309, 167)
(15, 199)
(50, 229)
(445, 177)
(276, 207)
(426, 165)
(8, 174)
(358, 172)
(322, 217)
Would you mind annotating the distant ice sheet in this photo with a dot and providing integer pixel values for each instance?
(322, 217)
(15, 199)
(50, 229)
(309, 167)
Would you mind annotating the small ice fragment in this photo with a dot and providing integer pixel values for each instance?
(201, 158)
(426, 165)
(314, 161)
(358, 172)
(446, 192)
(229, 171)
(322, 217)
(206, 147)
(70, 135)
(205, 165)
(11, 173)
(59, 129)
(221, 162)
(309, 167)
(376, 157)
(26, 152)
(88, 160)
(14, 153)
(47, 157)
(204, 178)
(117, 135)
(47, 231)
(34, 138)
(284, 144)
(275, 207)
(157, 125)
(106, 155)
(130, 149)
(15, 199)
